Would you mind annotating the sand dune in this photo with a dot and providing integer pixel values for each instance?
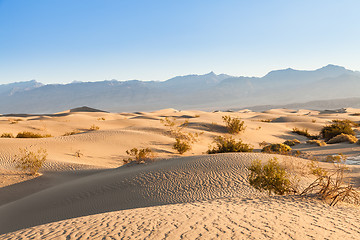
(205, 196)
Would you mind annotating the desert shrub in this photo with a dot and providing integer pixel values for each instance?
(330, 185)
(229, 144)
(346, 121)
(263, 144)
(319, 143)
(26, 134)
(30, 161)
(233, 125)
(279, 148)
(355, 114)
(94, 128)
(78, 154)
(183, 140)
(139, 155)
(266, 120)
(101, 119)
(7, 135)
(291, 143)
(71, 133)
(336, 128)
(181, 145)
(343, 138)
(304, 132)
(270, 177)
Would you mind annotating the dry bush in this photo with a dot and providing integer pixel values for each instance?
(101, 119)
(270, 177)
(233, 125)
(94, 128)
(336, 128)
(263, 144)
(30, 161)
(343, 138)
(330, 185)
(291, 143)
(139, 155)
(304, 132)
(228, 144)
(278, 148)
(183, 140)
(7, 135)
(266, 120)
(14, 121)
(78, 154)
(71, 133)
(319, 143)
(26, 134)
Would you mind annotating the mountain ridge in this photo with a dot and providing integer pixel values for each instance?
(190, 91)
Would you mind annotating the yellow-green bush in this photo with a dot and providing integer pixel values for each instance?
(336, 128)
(30, 161)
(139, 155)
(270, 177)
(26, 134)
(279, 148)
(233, 125)
(7, 135)
(229, 144)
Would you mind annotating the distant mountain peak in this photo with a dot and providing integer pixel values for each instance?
(332, 67)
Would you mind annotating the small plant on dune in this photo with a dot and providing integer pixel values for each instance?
(263, 144)
(313, 120)
(139, 155)
(229, 144)
(270, 177)
(26, 134)
(183, 140)
(343, 138)
(71, 133)
(319, 143)
(101, 119)
(78, 154)
(94, 128)
(278, 148)
(330, 185)
(30, 161)
(291, 143)
(7, 135)
(266, 120)
(233, 125)
(304, 132)
(14, 121)
(336, 128)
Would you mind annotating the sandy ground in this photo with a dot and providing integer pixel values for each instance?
(195, 196)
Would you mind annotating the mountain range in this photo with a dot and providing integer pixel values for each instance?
(331, 85)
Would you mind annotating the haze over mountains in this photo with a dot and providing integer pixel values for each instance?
(204, 92)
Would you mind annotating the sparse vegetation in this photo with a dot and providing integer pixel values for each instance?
(229, 144)
(343, 138)
(266, 120)
(94, 128)
(279, 148)
(7, 135)
(78, 154)
(101, 119)
(233, 125)
(139, 155)
(30, 161)
(319, 143)
(14, 121)
(263, 144)
(291, 143)
(26, 134)
(183, 140)
(71, 133)
(313, 120)
(304, 132)
(270, 177)
(330, 185)
(336, 128)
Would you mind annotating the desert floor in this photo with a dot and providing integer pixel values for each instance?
(93, 195)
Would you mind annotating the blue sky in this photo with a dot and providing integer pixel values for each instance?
(59, 41)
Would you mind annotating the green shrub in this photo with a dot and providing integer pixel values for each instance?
(181, 145)
(26, 134)
(228, 144)
(269, 177)
(291, 143)
(343, 138)
(30, 161)
(304, 132)
(139, 155)
(338, 127)
(7, 135)
(279, 148)
(233, 125)
(183, 140)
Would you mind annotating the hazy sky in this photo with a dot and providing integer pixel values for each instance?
(59, 41)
